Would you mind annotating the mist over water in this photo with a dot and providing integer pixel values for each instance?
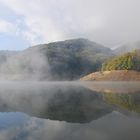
(69, 110)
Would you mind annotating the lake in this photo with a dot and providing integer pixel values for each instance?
(69, 110)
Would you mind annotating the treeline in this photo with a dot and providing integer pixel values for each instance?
(128, 61)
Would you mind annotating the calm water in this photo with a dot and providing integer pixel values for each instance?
(69, 111)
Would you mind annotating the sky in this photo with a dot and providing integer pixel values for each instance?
(24, 23)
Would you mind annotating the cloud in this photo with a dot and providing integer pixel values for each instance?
(6, 27)
(109, 22)
(51, 21)
(39, 27)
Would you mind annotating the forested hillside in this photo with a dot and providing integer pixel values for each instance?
(128, 61)
(63, 60)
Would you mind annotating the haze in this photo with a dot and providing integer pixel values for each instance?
(109, 22)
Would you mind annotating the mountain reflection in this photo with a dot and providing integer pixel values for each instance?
(70, 103)
(78, 105)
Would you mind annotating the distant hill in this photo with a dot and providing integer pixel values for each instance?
(127, 48)
(63, 60)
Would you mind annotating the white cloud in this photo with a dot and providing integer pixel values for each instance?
(51, 21)
(109, 22)
(7, 27)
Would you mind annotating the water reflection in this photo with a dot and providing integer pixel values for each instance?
(114, 126)
(129, 101)
(125, 95)
(64, 103)
(67, 111)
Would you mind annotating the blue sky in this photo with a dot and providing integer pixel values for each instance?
(9, 39)
(24, 23)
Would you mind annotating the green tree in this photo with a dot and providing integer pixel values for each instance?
(128, 61)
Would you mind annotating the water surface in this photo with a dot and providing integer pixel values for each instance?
(69, 110)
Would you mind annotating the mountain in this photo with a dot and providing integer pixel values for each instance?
(63, 60)
(127, 48)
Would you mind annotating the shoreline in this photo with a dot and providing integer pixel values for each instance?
(114, 75)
